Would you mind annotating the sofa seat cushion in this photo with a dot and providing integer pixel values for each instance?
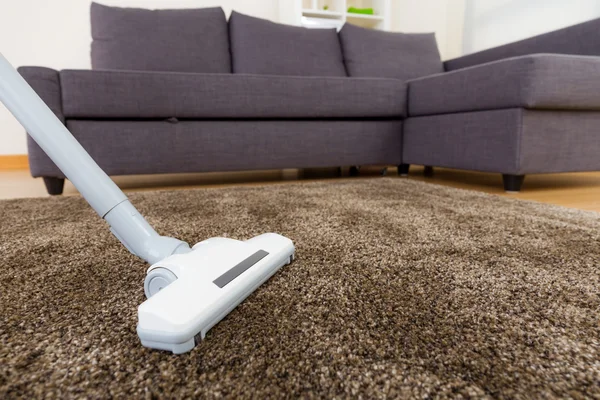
(156, 95)
(538, 81)
(183, 40)
(259, 46)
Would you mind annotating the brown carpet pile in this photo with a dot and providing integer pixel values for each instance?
(400, 289)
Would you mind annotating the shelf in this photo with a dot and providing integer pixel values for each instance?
(297, 12)
(322, 14)
(364, 16)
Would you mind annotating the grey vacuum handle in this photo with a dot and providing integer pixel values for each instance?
(92, 182)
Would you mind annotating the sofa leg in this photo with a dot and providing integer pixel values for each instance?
(428, 171)
(54, 186)
(403, 169)
(354, 170)
(512, 183)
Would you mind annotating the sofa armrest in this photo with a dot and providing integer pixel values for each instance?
(581, 39)
(46, 83)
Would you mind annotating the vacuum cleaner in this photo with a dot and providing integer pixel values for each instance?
(188, 290)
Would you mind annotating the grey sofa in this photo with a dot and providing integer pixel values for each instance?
(188, 91)
(528, 107)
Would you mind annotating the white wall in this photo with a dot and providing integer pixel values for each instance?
(56, 34)
(492, 23)
(443, 17)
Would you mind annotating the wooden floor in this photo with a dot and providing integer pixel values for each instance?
(575, 190)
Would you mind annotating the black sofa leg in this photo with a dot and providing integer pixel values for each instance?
(513, 183)
(54, 186)
(403, 169)
(428, 170)
(354, 170)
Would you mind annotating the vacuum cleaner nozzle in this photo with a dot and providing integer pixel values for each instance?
(189, 293)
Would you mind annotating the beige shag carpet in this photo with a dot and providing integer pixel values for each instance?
(400, 289)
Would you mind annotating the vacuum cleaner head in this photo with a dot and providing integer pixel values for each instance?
(189, 293)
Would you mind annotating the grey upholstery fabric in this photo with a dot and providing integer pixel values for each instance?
(577, 39)
(482, 141)
(554, 141)
(369, 52)
(147, 147)
(541, 81)
(263, 47)
(194, 40)
(509, 141)
(46, 83)
(122, 94)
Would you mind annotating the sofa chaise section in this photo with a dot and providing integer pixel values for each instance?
(537, 81)
(523, 115)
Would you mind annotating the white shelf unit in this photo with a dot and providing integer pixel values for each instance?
(321, 14)
(329, 13)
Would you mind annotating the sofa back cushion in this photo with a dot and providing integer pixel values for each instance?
(263, 47)
(580, 39)
(405, 56)
(192, 40)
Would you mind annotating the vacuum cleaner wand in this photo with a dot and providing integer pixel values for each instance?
(188, 290)
(76, 164)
